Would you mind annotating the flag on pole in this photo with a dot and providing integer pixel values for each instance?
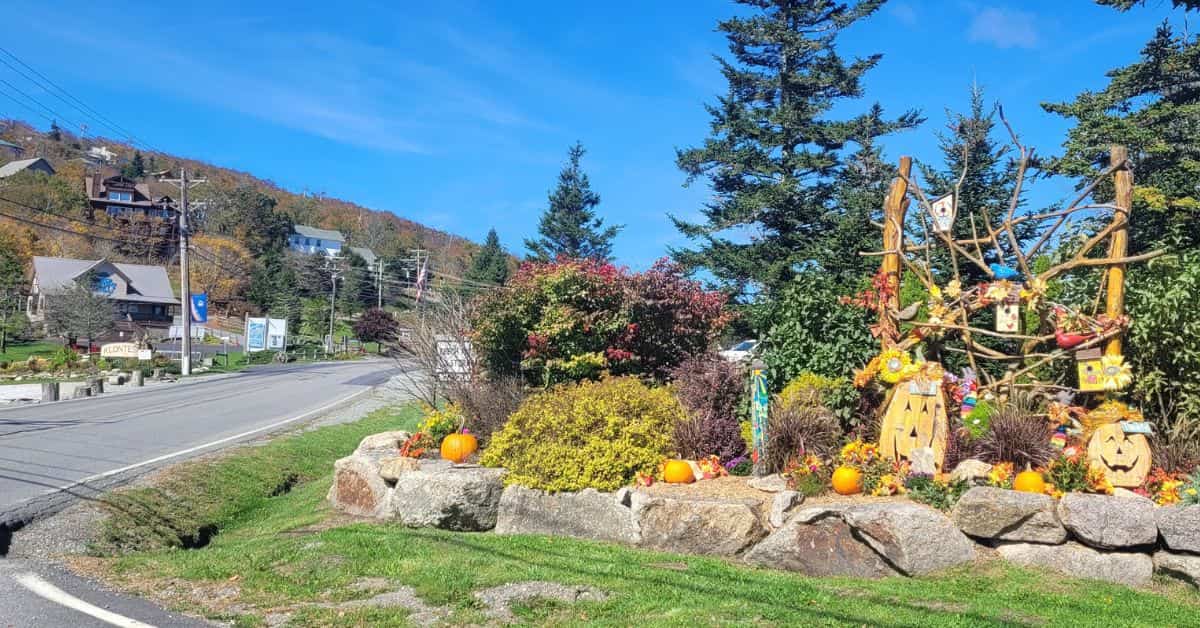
(421, 281)
(200, 308)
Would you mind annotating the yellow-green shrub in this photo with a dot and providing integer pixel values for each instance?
(810, 389)
(440, 423)
(593, 434)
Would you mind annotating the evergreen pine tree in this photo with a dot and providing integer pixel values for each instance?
(986, 190)
(490, 263)
(1151, 106)
(570, 227)
(136, 168)
(774, 153)
(859, 192)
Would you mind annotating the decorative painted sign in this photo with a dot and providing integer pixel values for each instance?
(102, 283)
(759, 403)
(943, 213)
(1091, 370)
(200, 308)
(913, 421)
(256, 334)
(1137, 427)
(145, 355)
(1125, 458)
(1008, 317)
(119, 350)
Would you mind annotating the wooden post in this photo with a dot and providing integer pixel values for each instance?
(894, 208)
(1114, 305)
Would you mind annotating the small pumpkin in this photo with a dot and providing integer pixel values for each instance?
(1029, 481)
(847, 481)
(678, 472)
(458, 447)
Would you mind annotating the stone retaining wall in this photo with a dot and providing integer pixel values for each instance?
(1123, 539)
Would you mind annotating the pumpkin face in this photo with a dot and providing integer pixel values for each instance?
(1029, 482)
(678, 472)
(1125, 458)
(914, 419)
(458, 447)
(847, 481)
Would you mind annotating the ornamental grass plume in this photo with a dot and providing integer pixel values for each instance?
(1017, 435)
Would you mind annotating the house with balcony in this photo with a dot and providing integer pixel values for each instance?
(121, 197)
(144, 303)
(312, 241)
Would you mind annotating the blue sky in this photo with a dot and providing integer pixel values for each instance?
(459, 114)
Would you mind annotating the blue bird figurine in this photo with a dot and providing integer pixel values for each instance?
(1000, 271)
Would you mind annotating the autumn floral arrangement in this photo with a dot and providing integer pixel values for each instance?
(807, 474)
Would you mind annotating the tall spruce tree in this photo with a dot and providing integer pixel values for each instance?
(570, 227)
(1152, 106)
(986, 190)
(490, 263)
(859, 192)
(774, 153)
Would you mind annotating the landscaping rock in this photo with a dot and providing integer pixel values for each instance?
(782, 506)
(995, 513)
(382, 444)
(1184, 567)
(588, 514)
(447, 497)
(357, 488)
(1180, 527)
(1108, 522)
(391, 468)
(914, 539)
(1073, 559)
(818, 542)
(969, 470)
(773, 483)
(697, 526)
(922, 460)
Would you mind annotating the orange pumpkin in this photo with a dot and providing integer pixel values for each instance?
(1029, 481)
(678, 472)
(458, 447)
(847, 481)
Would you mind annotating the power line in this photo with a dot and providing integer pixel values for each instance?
(81, 106)
(43, 106)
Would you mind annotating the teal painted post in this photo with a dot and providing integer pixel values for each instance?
(759, 403)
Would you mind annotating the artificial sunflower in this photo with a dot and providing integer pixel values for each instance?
(1115, 374)
(935, 294)
(892, 363)
(998, 291)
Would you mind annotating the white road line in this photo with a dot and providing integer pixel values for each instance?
(58, 596)
(184, 452)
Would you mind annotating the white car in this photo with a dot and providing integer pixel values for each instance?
(741, 352)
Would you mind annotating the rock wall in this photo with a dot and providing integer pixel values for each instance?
(1122, 539)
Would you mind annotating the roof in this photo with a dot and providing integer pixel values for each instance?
(13, 167)
(5, 144)
(151, 282)
(320, 234)
(367, 254)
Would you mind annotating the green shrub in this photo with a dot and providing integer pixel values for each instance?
(65, 357)
(808, 329)
(103, 364)
(440, 423)
(940, 494)
(979, 419)
(838, 394)
(592, 434)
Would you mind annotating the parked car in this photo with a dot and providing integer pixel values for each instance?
(740, 352)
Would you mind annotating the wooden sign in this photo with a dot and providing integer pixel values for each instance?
(1008, 317)
(119, 350)
(943, 213)
(914, 420)
(1125, 458)
(1091, 371)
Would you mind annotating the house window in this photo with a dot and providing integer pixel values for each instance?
(116, 210)
(120, 196)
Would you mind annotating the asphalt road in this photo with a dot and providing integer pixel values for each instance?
(53, 454)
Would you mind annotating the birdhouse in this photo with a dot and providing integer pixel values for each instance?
(1124, 456)
(1091, 370)
(915, 418)
(1008, 312)
(943, 212)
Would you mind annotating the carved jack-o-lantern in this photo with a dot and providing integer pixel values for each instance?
(915, 418)
(1124, 457)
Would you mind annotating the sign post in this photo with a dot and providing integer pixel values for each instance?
(759, 404)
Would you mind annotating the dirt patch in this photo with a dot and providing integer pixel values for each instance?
(498, 600)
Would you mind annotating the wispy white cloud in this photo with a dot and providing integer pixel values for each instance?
(1004, 28)
(903, 12)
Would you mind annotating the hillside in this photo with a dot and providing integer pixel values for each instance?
(389, 235)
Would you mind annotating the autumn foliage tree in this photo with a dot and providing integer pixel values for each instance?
(376, 325)
(222, 268)
(577, 319)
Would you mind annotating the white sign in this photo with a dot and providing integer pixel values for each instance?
(454, 357)
(119, 350)
(265, 333)
(145, 355)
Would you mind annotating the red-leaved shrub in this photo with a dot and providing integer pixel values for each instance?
(710, 389)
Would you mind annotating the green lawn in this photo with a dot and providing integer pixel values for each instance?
(281, 551)
(20, 351)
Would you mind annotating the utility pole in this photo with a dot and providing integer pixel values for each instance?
(185, 363)
(334, 275)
